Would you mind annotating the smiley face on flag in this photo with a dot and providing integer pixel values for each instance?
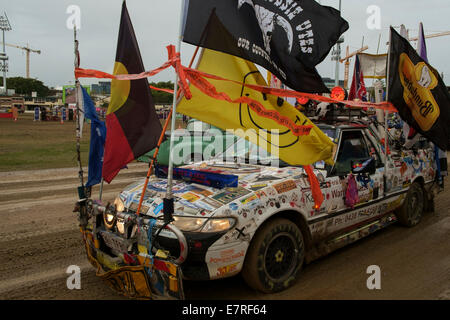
(270, 133)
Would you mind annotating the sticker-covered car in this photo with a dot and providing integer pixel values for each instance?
(267, 226)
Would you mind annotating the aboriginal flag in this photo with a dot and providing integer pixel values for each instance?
(418, 92)
(288, 38)
(132, 125)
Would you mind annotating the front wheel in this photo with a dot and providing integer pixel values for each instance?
(410, 213)
(275, 256)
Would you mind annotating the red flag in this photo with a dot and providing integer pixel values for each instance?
(358, 88)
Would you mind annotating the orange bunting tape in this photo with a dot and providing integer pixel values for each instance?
(161, 89)
(199, 79)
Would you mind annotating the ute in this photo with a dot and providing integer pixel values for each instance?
(242, 212)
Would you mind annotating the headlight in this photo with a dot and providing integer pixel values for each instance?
(120, 207)
(188, 223)
(217, 225)
(191, 224)
(120, 225)
(109, 217)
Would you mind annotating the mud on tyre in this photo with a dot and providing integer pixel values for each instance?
(275, 256)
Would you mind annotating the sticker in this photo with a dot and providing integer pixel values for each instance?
(230, 194)
(201, 204)
(256, 187)
(227, 256)
(158, 208)
(201, 191)
(249, 199)
(285, 186)
(191, 197)
(213, 203)
(227, 269)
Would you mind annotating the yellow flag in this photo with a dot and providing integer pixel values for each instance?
(275, 138)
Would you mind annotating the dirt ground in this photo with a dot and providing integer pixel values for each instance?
(39, 240)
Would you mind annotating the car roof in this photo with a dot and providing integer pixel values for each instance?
(342, 125)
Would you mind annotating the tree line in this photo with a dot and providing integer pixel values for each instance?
(26, 86)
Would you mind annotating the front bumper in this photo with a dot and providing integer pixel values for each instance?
(150, 279)
(195, 266)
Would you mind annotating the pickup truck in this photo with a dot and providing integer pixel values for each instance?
(191, 143)
(266, 226)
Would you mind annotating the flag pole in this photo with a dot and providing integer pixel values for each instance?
(386, 113)
(100, 193)
(169, 117)
(168, 201)
(77, 88)
(150, 167)
(82, 192)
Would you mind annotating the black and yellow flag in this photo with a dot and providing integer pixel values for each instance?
(133, 127)
(295, 150)
(418, 92)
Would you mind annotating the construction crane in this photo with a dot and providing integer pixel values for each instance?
(27, 49)
(434, 35)
(347, 62)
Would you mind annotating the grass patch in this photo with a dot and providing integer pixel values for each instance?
(26, 144)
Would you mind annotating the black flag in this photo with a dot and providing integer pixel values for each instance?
(288, 38)
(418, 92)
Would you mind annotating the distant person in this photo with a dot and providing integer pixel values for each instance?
(15, 113)
(43, 114)
(36, 114)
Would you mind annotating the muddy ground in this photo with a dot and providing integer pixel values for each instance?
(39, 240)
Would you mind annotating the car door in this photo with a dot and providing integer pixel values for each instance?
(353, 150)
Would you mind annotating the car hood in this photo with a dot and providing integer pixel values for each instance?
(193, 199)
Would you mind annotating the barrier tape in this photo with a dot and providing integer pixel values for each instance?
(199, 80)
(161, 89)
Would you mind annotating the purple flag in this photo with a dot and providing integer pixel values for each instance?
(421, 45)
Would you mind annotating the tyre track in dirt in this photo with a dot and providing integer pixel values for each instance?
(39, 234)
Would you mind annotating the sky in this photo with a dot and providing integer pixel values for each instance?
(42, 24)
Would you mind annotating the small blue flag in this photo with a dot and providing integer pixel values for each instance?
(98, 137)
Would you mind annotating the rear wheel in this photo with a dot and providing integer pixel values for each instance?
(275, 256)
(410, 213)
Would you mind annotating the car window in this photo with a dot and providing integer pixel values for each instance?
(352, 148)
(374, 153)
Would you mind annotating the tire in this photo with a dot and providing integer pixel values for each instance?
(275, 256)
(410, 213)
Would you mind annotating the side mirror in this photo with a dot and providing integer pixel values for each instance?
(364, 166)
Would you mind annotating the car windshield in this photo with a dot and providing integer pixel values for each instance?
(329, 132)
(244, 151)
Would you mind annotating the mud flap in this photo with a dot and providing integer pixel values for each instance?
(153, 279)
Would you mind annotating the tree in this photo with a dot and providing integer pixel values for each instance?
(161, 97)
(27, 86)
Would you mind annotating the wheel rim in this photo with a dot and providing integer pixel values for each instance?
(280, 257)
